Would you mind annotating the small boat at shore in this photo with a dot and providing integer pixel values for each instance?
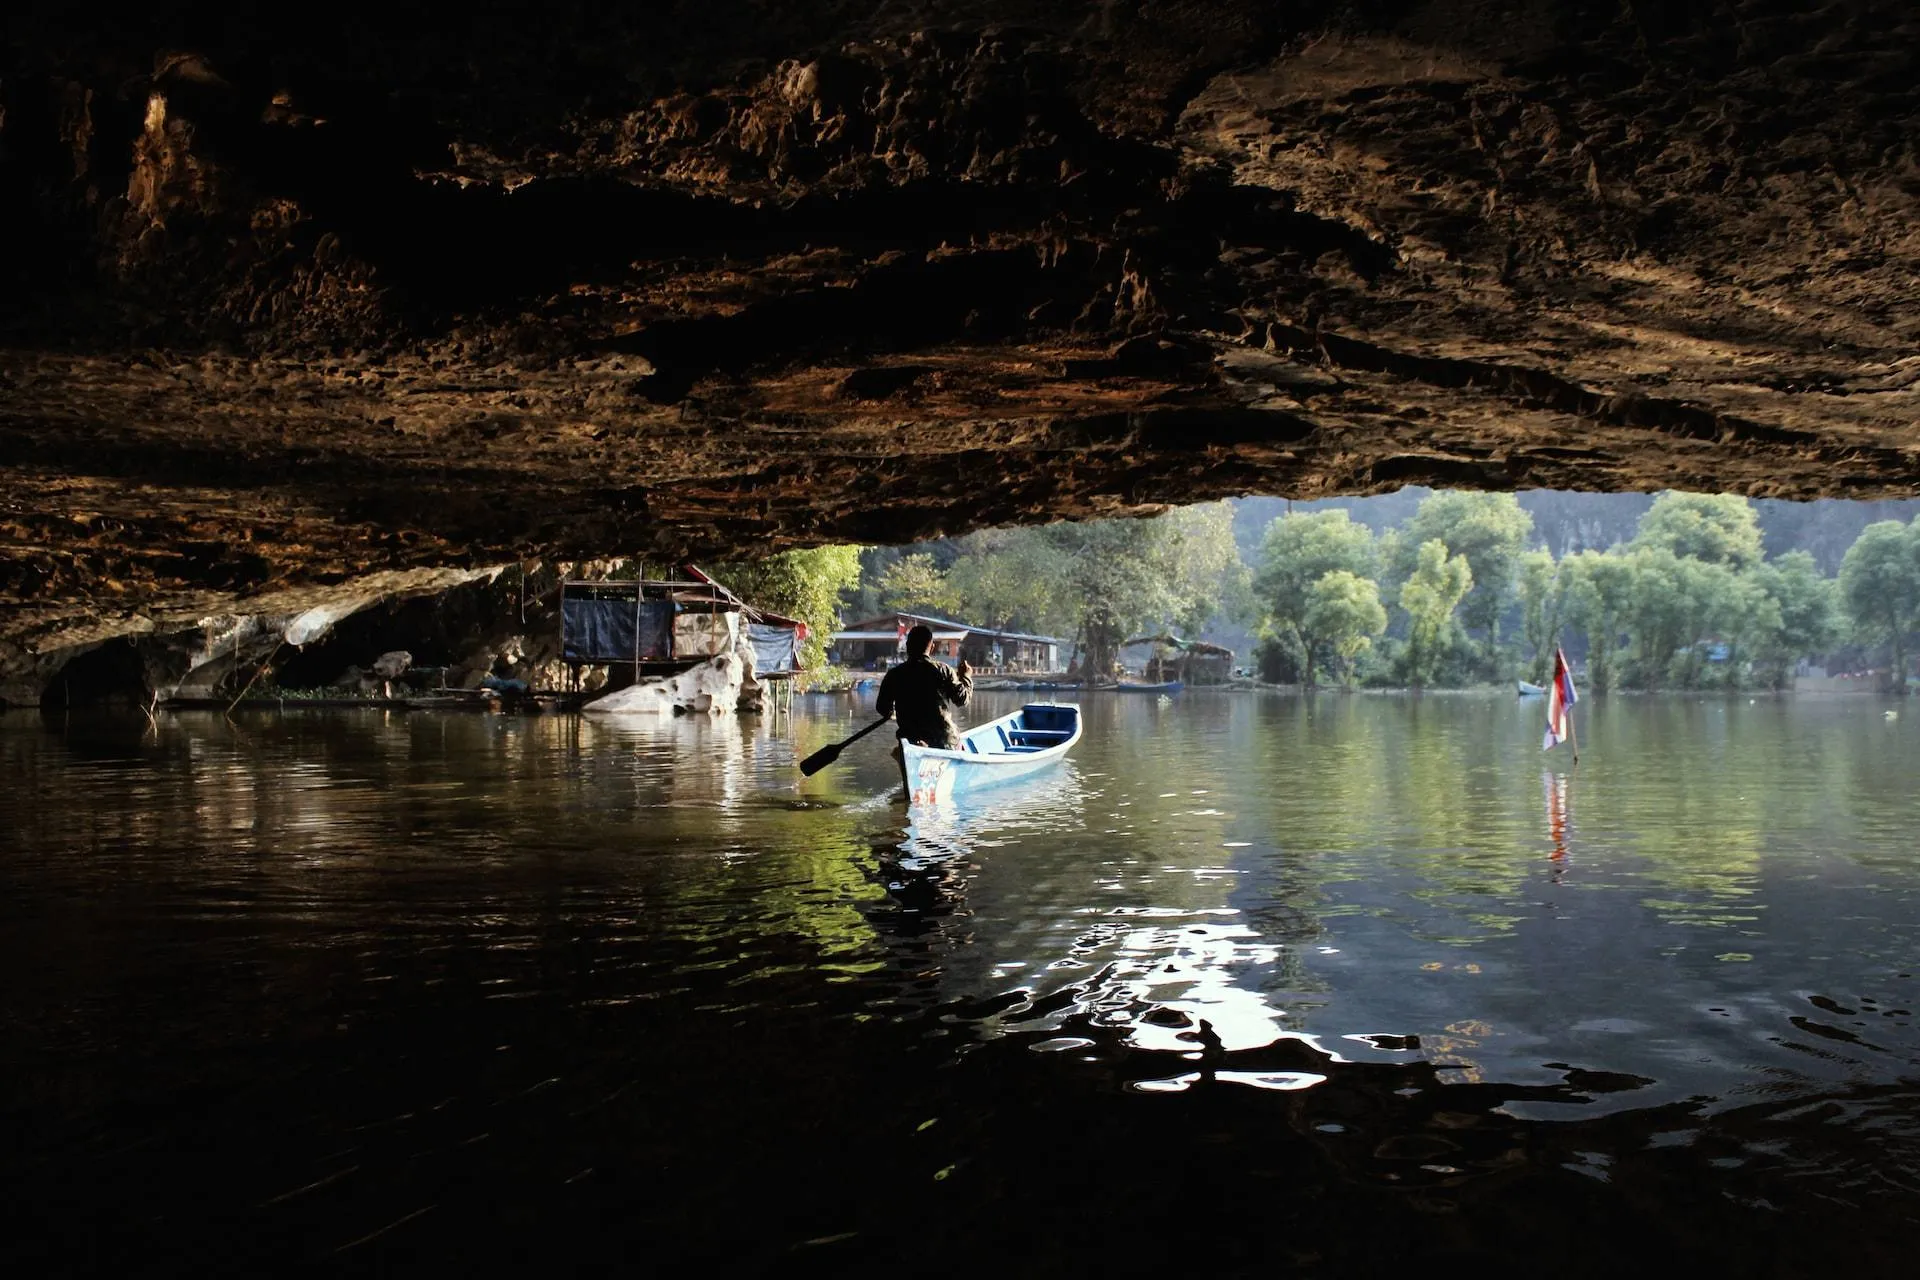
(1529, 690)
(1164, 686)
(1032, 738)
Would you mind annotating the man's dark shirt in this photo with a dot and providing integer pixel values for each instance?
(916, 693)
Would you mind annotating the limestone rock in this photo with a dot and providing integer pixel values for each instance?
(872, 273)
(752, 688)
(712, 688)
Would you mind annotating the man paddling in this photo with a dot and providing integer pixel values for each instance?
(918, 691)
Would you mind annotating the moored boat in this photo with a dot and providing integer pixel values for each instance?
(1030, 739)
(1529, 690)
(1165, 686)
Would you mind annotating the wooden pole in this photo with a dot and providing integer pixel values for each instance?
(260, 671)
(1573, 735)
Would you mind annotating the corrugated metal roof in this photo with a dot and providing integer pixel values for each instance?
(933, 620)
(894, 635)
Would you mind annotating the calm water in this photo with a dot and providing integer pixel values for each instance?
(1250, 984)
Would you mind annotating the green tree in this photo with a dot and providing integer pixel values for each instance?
(1489, 531)
(1009, 579)
(1296, 553)
(1880, 587)
(1097, 580)
(801, 584)
(1718, 528)
(1747, 620)
(1809, 623)
(1107, 579)
(1676, 606)
(1209, 579)
(1344, 612)
(1600, 589)
(1430, 595)
(914, 583)
(1543, 599)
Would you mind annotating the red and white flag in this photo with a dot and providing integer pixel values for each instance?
(1560, 700)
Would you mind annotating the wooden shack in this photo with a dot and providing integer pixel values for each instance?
(648, 626)
(873, 644)
(1169, 657)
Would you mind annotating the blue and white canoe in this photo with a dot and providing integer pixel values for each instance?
(1035, 736)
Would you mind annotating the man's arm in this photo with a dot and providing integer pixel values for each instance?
(960, 685)
(883, 704)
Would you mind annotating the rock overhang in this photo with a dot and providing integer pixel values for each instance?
(308, 305)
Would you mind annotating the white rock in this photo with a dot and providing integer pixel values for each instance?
(713, 688)
(752, 689)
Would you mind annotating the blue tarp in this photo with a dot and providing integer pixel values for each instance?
(776, 650)
(603, 630)
(656, 628)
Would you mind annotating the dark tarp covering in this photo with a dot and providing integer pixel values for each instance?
(603, 630)
(597, 630)
(656, 628)
(776, 650)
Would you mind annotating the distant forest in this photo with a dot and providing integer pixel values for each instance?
(1426, 588)
(1566, 523)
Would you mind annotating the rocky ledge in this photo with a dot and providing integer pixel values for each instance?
(376, 290)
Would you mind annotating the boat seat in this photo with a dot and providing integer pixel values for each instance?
(1039, 738)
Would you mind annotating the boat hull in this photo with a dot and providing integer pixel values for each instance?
(1033, 738)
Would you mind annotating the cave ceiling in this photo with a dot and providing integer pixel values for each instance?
(309, 296)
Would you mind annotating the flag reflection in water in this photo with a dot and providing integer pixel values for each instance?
(1556, 787)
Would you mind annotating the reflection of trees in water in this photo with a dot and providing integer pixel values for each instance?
(1369, 799)
(944, 856)
(1697, 790)
(1392, 794)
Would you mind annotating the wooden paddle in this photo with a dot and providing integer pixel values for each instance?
(828, 754)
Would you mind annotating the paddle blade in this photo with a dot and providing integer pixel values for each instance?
(821, 759)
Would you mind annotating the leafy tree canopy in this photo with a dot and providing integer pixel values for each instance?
(1430, 595)
(1600, 589)
(1004, 578)
(1299, 550)
(1344, 614)
(913, 583)
(1100, 579)
(1809, 620)
(1489, 531)
(1719, 528)
(1543, 597)
(801, 584)
(1880, 587)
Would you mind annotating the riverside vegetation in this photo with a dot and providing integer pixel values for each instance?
(1464, 588)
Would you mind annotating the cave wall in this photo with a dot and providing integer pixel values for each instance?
(299, 299)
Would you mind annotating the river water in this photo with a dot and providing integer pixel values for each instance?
(1249, 983)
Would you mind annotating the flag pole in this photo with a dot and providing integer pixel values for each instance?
(1573, 733)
